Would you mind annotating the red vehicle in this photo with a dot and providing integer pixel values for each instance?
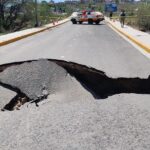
(87, 16)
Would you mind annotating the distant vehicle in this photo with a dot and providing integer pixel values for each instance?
(87, 16)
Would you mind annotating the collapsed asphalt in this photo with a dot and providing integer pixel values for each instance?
(34, 80)
(72, 118)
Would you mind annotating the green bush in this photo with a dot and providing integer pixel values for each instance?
(138, 15)
(143, 17)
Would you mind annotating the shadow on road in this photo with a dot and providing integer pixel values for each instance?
(100, 85)
(100, 24)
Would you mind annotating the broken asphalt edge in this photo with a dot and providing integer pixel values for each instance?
(94, 81)
(131, 38)
(32, 33)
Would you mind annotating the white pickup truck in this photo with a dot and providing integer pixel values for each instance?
(87, 16)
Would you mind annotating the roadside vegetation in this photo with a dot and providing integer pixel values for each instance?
(137, 15)
(17, 15)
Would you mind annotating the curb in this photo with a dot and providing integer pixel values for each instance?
(145, 47)
(30, 34)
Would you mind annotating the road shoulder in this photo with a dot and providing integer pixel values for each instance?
(138, 37)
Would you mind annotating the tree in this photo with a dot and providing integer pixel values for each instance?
(14, 14)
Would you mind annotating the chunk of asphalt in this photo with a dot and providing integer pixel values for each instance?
(36, 79)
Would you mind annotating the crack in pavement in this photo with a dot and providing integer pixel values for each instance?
(34, 80)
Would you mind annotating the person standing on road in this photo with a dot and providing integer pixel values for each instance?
(110, 15)
(122, 17)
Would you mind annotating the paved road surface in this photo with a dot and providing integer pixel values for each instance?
(93, 45)
(72, 119)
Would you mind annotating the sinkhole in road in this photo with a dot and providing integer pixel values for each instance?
(35, 80)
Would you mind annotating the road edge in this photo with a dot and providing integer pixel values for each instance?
(137, 42)
(32, 33)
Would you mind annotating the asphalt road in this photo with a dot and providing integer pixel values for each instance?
(93, 45)
(71, 118)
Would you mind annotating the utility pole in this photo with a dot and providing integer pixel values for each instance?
(36, 14)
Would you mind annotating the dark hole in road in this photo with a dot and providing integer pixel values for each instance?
(16, 102)
(96, 82)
